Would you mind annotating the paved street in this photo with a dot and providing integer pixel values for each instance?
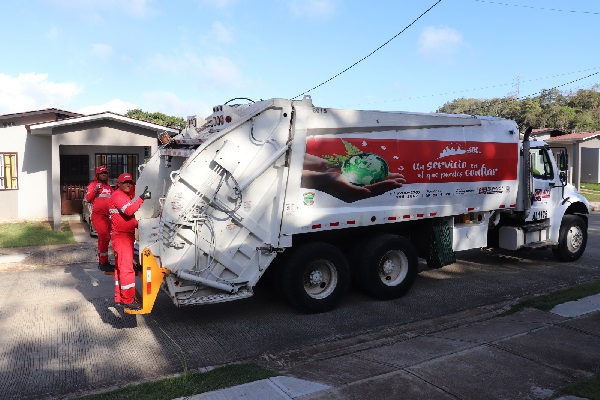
(59, 333)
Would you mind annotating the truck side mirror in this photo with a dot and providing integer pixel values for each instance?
(563, 161)
(563, 165)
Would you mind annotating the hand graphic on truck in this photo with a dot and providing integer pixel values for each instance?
(319, 174)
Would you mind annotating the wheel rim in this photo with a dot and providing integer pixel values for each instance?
(393, 268)
(320, 279)
(574, 239)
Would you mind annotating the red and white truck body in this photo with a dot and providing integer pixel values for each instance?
(319, 195)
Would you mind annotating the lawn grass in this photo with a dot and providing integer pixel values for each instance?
(591, 186)
(592, 196)
(586, 388)
(23, 234)
(548, 301)
(188, 384)
(591, 191)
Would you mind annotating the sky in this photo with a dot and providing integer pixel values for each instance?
(183, 57)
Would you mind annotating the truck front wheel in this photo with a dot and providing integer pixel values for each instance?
(572, 239)
(315, 277)
(388, 267)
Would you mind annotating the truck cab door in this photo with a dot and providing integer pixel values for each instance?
(544, 180)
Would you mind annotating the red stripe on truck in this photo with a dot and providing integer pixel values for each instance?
(148, 280)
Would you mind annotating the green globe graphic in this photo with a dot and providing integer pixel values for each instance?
(365, 169)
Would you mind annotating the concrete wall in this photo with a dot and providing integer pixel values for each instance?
(31, 200)
(12, 140)
(103, 136)
(592, 143)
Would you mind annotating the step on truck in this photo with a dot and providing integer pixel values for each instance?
(317, 197)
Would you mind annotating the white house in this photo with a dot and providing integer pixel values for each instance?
(48, 157)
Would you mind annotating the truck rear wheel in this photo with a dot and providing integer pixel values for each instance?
(315, 277)
(388, 267)
(572, 239)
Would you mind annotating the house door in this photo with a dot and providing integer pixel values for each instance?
(74, 178)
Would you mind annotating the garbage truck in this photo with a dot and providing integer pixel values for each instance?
(317, 198)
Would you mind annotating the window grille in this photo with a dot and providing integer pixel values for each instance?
(8, 171)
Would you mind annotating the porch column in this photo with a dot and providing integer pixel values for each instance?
(577, 164)
(55, 182)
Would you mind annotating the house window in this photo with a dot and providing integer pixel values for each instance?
(8, 171)
(118, 164)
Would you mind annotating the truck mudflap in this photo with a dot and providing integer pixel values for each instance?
(152, 276)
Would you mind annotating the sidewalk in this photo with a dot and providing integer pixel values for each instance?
(595, 206)
(473, 355)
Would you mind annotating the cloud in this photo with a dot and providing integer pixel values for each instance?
(220, 4)
(52, 33)
(139, 8)
(136, 8)
(31, 91)
(440, 44)
(221, 33)
(312, 8)
(115, 105)
(215, 71)
(102, 51)
(170, 104)
(223, 72)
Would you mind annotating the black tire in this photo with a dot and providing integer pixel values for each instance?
(315, 276)
(388, 267)
(572, 238)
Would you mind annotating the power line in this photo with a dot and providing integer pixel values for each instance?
(564, 84)
(371, 53)
(538, 8)
(493, 86)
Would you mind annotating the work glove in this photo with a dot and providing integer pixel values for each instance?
(146, 195)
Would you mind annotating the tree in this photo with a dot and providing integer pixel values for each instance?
(157, 118)
(571, 111)
(461, 106)
(584, 121)
(530, 113)
(561, 117)
(586, 99)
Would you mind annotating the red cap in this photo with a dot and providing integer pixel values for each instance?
(101, 169)
(125, 178)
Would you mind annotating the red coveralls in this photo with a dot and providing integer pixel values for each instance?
(122, 209)
(100, 201)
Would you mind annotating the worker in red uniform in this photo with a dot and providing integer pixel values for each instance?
(98, 195)
(123, 206)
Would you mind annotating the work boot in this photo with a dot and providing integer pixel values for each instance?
(106, 267)
(132, 306)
